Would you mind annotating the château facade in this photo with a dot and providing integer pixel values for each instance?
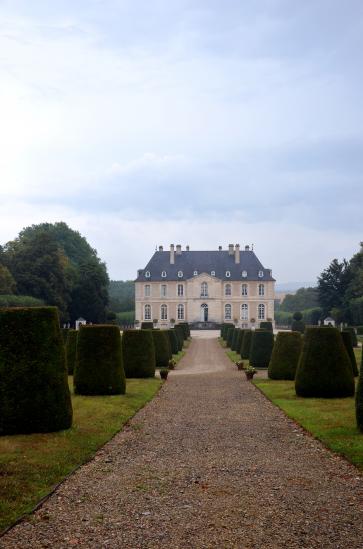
(205, 287)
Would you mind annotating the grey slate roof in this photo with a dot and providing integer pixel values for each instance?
(204, 262)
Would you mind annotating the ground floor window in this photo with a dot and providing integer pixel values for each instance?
(244, 311)
(147, 312)
(181, 312)
(228, 312)
(261, 312)
(164, 312)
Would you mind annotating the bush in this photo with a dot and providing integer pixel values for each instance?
(324, 368)
(285, 355)
(147, 325)
(230, 333)
(225, 331)
(99, 368)
(239, 341)
(359, 330)
(186, 329)
(298, 326)
(246, 344)
(138, 353)
(266, 326)
(34, 393)
(351, 330)
(261, 348)
(359, 399)
(347, 340)
(64, 332)
(235, 339)
(71, 348)
(20, 301)
(162, 349)
(174, 344)
(180, 335)
(297, 316)
(221, 334)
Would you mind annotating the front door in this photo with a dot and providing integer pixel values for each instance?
(204, 312)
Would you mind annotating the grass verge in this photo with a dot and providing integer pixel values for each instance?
(31, 465)
(330, 420)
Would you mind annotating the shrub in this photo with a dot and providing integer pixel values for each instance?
(359, 399)
(266, 326)
(297, 316)
(347, 340)
(71, 347)
(359, 330)
(186, 329)
(261, 348)
(324, 368)
(352, 332)
(138, 353)
(99, 368)
(230, 333)
(285, 355)
(64, 332)
(239, 341)
(298, 326)
(180, 335)
(147, 325)
(34, 393)
(235, 339)
(174, 344)
(221, 334)
(162, 349)
(246, 344)
(225, 331)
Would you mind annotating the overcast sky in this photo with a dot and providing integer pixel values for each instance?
(200, 122)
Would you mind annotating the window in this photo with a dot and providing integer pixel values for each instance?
(181, 312)
(180, 274)
(228, 289)
(260, 274)
(213, 273)
(261, 312)
(228, 274)
(147, 290)
(147, 312)
(228, 312)
(147, 274)
(261, 289)
(163, 290)
(244, 274)
(180, 290)
(244, 311)
(204, 290)
(164, 312)
(163, 274)
(244, 289)
(195, 273)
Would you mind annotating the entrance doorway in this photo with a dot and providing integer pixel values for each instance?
(204, 312)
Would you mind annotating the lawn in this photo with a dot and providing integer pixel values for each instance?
(330, 420)
(31, 465)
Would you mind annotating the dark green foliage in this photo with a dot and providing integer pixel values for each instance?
(359, 330)
(225, 331)
(239, 341)
(297, 316)
(7, 282)
(64, 332)
(180, 335)
(174, 344)
(298, 326)
(266, 326)
(138, 353)
(147, 325)
(347, 340)
(186, 329)
(230, 333)
(261, 348)
(324, 368)
(34, 393)
(20, 301)
(353, 334)
(359, 399)
(162, 348)
(235, 339)
(71, 348)
(304, 298)
(122, 295)
(285, 355)
(246, 344)
(332, 285)
(99, 369)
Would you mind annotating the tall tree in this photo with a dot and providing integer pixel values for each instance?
(305, 298)
(332, 286)
(7, 282)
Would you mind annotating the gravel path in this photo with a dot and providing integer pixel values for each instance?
(209, 463)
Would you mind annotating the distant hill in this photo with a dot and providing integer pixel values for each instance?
(286, 287)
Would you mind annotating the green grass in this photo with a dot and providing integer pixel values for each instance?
(179, 356)
(31, 465)
(330, 420)
(235, 357)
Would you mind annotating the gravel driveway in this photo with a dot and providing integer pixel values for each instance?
(210, 462)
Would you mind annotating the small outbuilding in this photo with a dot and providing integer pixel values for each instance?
(329, 321)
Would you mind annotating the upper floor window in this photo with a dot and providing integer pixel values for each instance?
(147, 274)
(164, 312)
(244, 274)
(228, 312)
(244, 311)
(244, 289)
(163, 274)
(261, 312)
(260, 274)
(228, 274)
(228, 289)
(180, 274)
(204, 290)
(180, 290)
(261, 289)
(213, 273)
(147, 290)
(195, 273)
(180, 311)
(163, 290)
(147, 312)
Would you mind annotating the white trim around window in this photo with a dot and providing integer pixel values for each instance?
(180, 311)
(163, 290)
(244, 289)
(244, 311)
(261, 289)
(261, 311)
(180, 290)
(164, 312)
(147, 312)
(228, 311)
(227, 289)
(147, 290)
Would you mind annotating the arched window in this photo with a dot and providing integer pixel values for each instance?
(260, 274)
(213, 273)
(228, 289)
(244, 289)
(147, 290)
(261, 289)
(244, 274)
(204, 290)
(195, 273)
(180, 290)
(163, 274)
(164, 312)
(181, 312)
(228, 312)
(147, 274)
(147, 312)
(244, 311)
(261, 312)
(228, 274)
(163, 290)
(180, 274)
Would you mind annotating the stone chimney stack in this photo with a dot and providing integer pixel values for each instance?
(247, 248)
(160, 248)
(178, 249)
(187, 248)
(220, 248)
(230, 249)
(237, 256)
(172, 254)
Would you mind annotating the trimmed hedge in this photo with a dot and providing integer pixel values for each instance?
(359, 399)
(298, 326)
(174, 343)
(138, 353)
(359, 330)
(71, 348)
(99, 368)
(34, 393)
(147, 325)
(180, 335)
(225, 331)
(64, 332)
(324, 369)
(230, 333)
(235, 339)
(162, 349)
(246, 344)
(261, 348)
(186, 329)
(347, 340)
(266, 325)
(352, 332)
(285, 356)
(239, 341)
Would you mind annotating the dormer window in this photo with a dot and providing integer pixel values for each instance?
(260, 274)
(213, 273)
(228, 274)
(244, 274)
(180, 274)
(195, 273)
(163, 274)
(147, 274)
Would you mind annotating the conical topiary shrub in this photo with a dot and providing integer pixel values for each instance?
(71, 347)
(230, 336)
(353, 334)
(99, 368)
(225, 331)
(347, 340)
(239, 341)
(34, 393)
(324, 369)
(285, 356)
(246, 345)
(180, 335)
(261, 348)
(359, 399)
(161, 345)
(298, 325)
(138, 353)
(235, 339)
(174, 345)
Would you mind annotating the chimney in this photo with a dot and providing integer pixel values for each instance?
(172, 254)
(230, 249)
(160, 248)
(247, 248)
(178, 249)
(237, 257)
(220, 248)
(187, 248)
